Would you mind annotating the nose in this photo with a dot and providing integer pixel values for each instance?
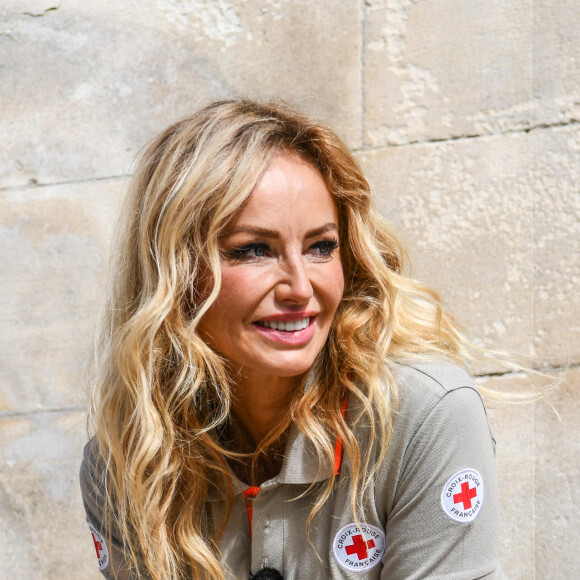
(294, 286)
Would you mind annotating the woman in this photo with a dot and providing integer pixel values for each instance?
(276, 399)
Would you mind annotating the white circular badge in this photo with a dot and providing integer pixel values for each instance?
(100, 547)
(359, 548)
(462, 496)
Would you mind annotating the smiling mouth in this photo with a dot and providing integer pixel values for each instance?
(285, 326)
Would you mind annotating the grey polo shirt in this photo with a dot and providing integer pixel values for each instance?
(433, 512)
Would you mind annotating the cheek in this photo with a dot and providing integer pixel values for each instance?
(334, 285)
(220, 312)
(239, 291)
(338, 279)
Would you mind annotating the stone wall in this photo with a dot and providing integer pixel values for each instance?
(465, 115)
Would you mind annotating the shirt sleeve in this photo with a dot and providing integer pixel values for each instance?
(110, 555)
(444, 519)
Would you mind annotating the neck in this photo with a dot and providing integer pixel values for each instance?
(261, 404)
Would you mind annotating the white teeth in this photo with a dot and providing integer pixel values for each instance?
(287, 326)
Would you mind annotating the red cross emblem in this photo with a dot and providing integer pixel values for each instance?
(350, 541)
(359, 547)
(98, 546)
(465, 496)
(465, 505)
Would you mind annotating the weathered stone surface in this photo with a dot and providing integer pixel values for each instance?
(537, 460)
(55, 249)
(557, 510)
(43, 533)
(556, 182)
(556, 60)
(513, 430)
(493, 223)
(85, 84)
(437, 70)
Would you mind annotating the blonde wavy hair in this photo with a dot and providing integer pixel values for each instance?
(163, 396)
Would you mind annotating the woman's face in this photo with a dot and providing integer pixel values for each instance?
(282, 277)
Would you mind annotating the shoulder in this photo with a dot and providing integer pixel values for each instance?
(439, 422)
(93, 479)
(92, 462)
(433, 388)
(439, 427)
(440, 459)
(94, 495)
(430, 380)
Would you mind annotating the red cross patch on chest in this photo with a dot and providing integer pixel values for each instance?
(462, 496)
(358, 548)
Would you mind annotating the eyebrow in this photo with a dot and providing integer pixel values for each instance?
(273, 234)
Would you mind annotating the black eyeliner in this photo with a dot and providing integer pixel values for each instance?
(241, 252)
(330, 245)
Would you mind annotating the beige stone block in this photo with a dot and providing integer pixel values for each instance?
(436, 70)
(494, 225)
(43, 533)
(441, 70)
(556, 181)
(513, 428)
(55, 244)
(86, 84)
(537, 461)
(465, 211)
(556, 59)
(558, 482)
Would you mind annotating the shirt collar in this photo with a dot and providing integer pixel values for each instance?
(301, 463)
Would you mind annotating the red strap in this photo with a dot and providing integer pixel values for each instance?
(338, 443)
(249, 495)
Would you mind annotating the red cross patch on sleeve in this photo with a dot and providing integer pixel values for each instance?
(100, 547)
(462, 496)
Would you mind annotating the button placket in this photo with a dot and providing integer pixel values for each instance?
(268, 532)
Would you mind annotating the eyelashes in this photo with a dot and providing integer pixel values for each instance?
(248, 251)
(321, 251)
(325, 247)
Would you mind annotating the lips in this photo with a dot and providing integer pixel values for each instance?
(291, 333)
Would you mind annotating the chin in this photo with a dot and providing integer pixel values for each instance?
(290, 372)
(289, 369)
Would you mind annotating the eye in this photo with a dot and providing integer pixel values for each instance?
(249, 252)
(324, 248)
